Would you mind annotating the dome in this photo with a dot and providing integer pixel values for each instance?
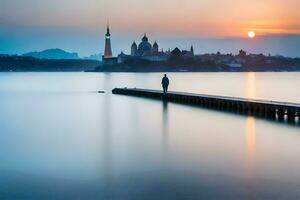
(144, 46)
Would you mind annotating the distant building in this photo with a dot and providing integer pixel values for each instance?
(188, 54)
(108, 58)
(242, 53)
(122, 57)
(144, 47)
(155, 47)
(134, 49)
(107, 51)
(176, 53)
(144, 51)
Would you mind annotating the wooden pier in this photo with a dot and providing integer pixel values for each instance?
(280, 111)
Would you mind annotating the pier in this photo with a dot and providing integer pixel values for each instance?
(281, 111)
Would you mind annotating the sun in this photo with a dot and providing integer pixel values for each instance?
(251, 34)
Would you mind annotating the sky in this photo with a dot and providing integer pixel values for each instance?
(211, 25)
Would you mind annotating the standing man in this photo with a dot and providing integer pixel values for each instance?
(165, 83)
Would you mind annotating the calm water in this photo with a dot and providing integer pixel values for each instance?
(61, 140)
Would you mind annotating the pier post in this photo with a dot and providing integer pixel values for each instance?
(262, 111)
(280, 114)
(251, 109)
(240, 107)
(291, 116)
(270, 112)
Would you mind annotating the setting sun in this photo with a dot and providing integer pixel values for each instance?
(251, 34)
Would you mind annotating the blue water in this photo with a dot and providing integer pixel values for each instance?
(60, 139)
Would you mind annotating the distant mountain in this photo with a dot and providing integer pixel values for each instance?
(30, 64)
(53, 54)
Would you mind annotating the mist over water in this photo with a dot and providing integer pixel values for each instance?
(60, 139)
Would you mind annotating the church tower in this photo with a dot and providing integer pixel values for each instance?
(133, 49)
(107, 52)
(155, 47)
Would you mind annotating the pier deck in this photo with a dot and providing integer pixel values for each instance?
(263, 108)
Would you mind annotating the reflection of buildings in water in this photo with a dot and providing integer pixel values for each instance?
(107, 130)
(250, 86)
(165, 131)
(107, 141)
(251, 144)
(107, 122)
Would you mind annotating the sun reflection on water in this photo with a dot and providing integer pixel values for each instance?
(250, 145)
(250, 165)
(250, 85)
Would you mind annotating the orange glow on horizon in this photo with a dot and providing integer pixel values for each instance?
(186, 18)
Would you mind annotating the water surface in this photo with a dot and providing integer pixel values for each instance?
(60, 139)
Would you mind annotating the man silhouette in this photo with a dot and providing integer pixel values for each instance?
(165, 83)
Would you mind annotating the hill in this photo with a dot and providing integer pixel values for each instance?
(52, 54)
(25, 63)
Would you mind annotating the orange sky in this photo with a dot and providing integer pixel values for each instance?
(203, 18)
(79, 25)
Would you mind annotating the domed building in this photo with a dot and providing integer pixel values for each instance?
(144, 46)
(146, 51)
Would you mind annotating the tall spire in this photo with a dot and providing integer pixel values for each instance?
(192, 49)
(133, 49)
(107, 30)
(107, 51)
(155, 47)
